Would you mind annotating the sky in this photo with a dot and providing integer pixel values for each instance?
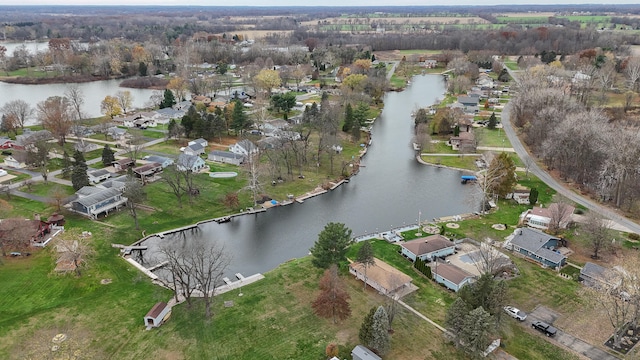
(314, 3)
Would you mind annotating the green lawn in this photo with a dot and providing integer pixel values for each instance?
(492, 138)
(48, 189)
(512, 65)
(170, 147)
(460, 162)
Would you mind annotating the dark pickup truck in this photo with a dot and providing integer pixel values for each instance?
(545, 328)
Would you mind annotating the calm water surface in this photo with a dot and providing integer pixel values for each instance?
(388, 192)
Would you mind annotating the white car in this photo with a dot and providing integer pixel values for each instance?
(515, 313)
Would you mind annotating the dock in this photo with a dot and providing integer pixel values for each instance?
(162, 264)
(226, 280)
(239, 276)
(233, 285)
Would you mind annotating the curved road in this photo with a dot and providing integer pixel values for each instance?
(549, 180)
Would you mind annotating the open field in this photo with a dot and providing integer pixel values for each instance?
(400, 20)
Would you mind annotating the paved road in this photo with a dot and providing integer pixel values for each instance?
(549, 180)
(569, 341)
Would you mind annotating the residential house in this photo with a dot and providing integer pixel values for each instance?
(200, 141)
(85, 146)
(157, 315)
(3, 173)
(164, 116)
(192, 163)
(520, 195)
(464, 142)
(123, 164)
(381, 276)
(593, 275)
(194, 150)
(17, 160)
(163, 161)
(270, 126)
(6, 143)
(30, 137)
(541, 218)
(429, 63)
(362, 353)
(98, 175)
(117, 133)
(102, 201)
(270, 143)
(428, 248)
(468, 100)
(147, 170)
(226, 157)
(451, 276)
(244, 147)
(537, 246)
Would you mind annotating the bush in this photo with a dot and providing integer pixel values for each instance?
(634, 236)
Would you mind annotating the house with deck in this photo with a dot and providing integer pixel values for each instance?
(537, 246)
(147, 171)
(98, 202)
(123, 164)
(428, 248)
(163, 161)
(381, 276)
(451, 276)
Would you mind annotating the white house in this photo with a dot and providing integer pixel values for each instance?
(96, 176)
(100, 201)
(428, 248)
(164, 161)
(194, 149)
(244, 147)
(226, 157)
(190, 162)
(540, 218)
(17, 160)
(159, 313)
(200, 141)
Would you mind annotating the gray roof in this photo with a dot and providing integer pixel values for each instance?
(533, 241)
(87, 190)
(113, 184)
(247, 145)
(188, 160)
(468, 100)
(363, 353)
(593, 270)
(97, 172)
(98, 197)
(200, 141)
(226, 154)
(159, 159)
(196, 147)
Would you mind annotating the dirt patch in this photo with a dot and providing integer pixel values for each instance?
(44, 343)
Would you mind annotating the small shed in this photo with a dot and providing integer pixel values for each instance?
(157, 315)
(362, 353)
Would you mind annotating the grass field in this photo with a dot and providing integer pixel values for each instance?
(48, 189)
(458, 162)
(492, 138)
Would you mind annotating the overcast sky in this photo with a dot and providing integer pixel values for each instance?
(304, 3)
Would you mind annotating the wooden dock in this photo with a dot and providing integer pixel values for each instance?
(233, 285)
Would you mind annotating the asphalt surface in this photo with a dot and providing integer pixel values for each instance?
(549, 180)
(567, 340)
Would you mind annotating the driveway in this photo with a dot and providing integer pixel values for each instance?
(569, 341)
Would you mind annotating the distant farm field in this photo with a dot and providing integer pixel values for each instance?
(401, 20)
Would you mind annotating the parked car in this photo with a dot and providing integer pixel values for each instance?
(515, 313)
(544, 328)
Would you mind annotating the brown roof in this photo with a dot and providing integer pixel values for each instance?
(147, 169)
(384, 274)
(124, 161)
(427, 244)
(156, 309)
(547, 212)
(451, 272)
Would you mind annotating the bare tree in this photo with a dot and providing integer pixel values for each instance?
(632, 71)
(57, 196)
(19, 110)
(332, 301)
(174, 178)
(596, 230)
(125, 100)
(74, 249)
(203, 263)
(55, 114)
(560, 214)
(487, 259)
(252, 167)
(135, 194)
(76, 99)
(135, 144)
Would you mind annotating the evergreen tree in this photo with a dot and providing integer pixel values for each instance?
(380, 339)
(79, 176)
(189, 120)
(67, 165)
(360, 114)
(331, 246)
(533, 196)
(239, 119)
(456, 130)
(454, 318)
(486, 292)
(365, 258)
(168, 100)
(476, 331)
(142, 68)
(348, 118)
(492, 121)
(107, 156)
(365, 334)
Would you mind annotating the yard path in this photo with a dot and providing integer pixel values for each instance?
(579, 346)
